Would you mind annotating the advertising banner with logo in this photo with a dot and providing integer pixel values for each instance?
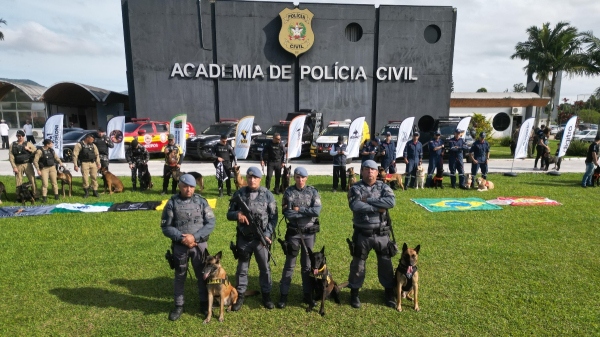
(243, 137)
(295, 137)
(355, 137)
(567, 136)
(53, 130)
(177, 128)
(524, 134)
(115, 130)
(404, 135)
(464, 126)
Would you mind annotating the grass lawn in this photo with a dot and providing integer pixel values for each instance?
(516, 271)
(503, 152)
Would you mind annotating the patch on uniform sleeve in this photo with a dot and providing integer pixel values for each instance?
(210, 214)
(318, 201)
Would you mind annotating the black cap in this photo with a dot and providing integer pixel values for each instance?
(223, 136)
(21, 133)
(100, 130)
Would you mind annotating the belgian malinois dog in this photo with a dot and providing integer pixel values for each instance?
(406, 277)
(325, 286)
(351, 177)
(218, 286)
(65, 177)
(111, 182)
(238, 179)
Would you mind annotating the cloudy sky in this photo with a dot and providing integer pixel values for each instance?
(82, 40)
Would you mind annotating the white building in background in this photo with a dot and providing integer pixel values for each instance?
(504, 110)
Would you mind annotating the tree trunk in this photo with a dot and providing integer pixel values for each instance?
(538, 113)
(552, 83)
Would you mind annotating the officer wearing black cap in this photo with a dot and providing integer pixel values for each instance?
(369, 199)
(19, 155)
(103, 143)
(137, 156)
(223, 153)
(188, 220)
(436, 146)
(44, 161)
(388, 151)
(480, 156)
(273, 154)
(262, 202)
(456, 146)
(413, 157)
(338, 151)
(173, 158)
(369, 150)
(301, 206)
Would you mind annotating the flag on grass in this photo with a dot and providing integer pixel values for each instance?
(450, 205)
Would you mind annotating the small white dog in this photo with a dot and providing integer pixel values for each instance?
(468, 180)
(420, 177)
(484, 185)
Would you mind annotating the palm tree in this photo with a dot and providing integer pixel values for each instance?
(1, 34)
(597, 93)
(592, 53)
(549, 51)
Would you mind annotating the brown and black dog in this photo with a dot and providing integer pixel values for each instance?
(218, 286)
(351, 177)
(197, 176)
(3, 190)
(111, 182)
(406, 277)
(595, 177)
(65, 177)
(25, 194)
(285, 178)
(389, 178)
(238, 179)
(438, 178)
(325, 286)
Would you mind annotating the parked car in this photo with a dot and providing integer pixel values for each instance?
(70, 140)
(580, 135)
(554, 129)
(392, 127)
(151, 134)
(200, 146)
(320, 148)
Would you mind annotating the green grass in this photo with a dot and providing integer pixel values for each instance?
(503, 152)
(518, 271)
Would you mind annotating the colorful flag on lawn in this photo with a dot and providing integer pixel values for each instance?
(524, 201)
(450, 205)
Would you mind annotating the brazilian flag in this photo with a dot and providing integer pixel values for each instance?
(452, 205)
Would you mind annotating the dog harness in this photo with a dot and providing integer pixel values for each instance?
(408, 272)
(224, 281)
(437, 179)
(321, 274)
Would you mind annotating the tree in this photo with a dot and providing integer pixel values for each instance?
(481, 124)
(2, 21)
(550, 50)
(597, 93)
(592, 59)
(519, 87)
(482, 90)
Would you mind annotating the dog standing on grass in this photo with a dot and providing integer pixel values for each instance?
(420, 177)
(24, 194)
(65, 177)
(406, 277)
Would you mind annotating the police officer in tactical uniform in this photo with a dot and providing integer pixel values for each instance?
(413, 157)
(223, 153)
(369, 199)
(173, 158)
(137, 156)
(455, 160)
(301, 206)
(480, 156)
(273, 154)
(44, 161)
(87, 153)
(188, 220)
(338, 151)
(103, 142)
(388, 161)
(261, 201)
(436, 146)
(19, 155)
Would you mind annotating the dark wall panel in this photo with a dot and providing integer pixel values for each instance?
(402, 43)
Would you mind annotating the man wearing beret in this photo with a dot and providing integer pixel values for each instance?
(435, 156)
(188, 220)
(264, 207)
(301, 206)
(480, 156)
(19, 155)
(456, 146)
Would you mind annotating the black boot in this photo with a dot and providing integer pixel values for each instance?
(267, 302)
(229, 191)
(238, 304)
(87, 193)
(176, 313)
(389, 298)
(220, 192)
(56, 197)
(308, 299)
(134, 187)
(204, 309)
(164, 192)
(95, 192)
(282, 301)
(354, 300)
(44, 199)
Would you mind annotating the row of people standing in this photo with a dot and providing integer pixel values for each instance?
(27, 129)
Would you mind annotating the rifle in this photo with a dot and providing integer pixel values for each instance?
(254, 223)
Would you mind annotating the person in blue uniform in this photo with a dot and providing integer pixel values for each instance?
(455, 159)
(413, 157)
(436, 146)
(480, 156)
(388, 159)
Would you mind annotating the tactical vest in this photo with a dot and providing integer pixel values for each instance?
(340, 159)
(188, 214)
(87, 155)
(300, 198)
(20, 152)
(374, 219)
(222, 151)
(101, 145)
(274, 153)
(47, 158)
(170, 149)
(259, 205)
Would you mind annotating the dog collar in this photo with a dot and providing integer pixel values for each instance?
(219, 281)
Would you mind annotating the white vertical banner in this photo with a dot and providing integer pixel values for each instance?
(177, 128)
(404, 135)
(243, 137)
(295, 132)
(464, 126)
(355, 137)
(115, 130)
(567, 136)
(524, 134)
(53, 130)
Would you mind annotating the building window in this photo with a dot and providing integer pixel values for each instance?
(354, 32)
(501, 121)
(16, 108)
(432, 34)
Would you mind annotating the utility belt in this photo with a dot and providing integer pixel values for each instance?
(247, 233)
(381, 231)
(315, 228)
(87, 161)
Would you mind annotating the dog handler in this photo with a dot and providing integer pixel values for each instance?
(103, 142)
(413, 154)
(369, 199)
(591, 161)
(173, 158)
(137, 156)
(87, 153)
(301, 206)
(19, 155)
(435, 156)
(223, 153)
(455, 161)
(480, 156)
(388, 161)
(44, 161)
(261, 201)
(188, 221)
(273, 154)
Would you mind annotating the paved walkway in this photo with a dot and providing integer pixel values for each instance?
(207, 169)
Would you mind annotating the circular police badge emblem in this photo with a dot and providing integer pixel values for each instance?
(163, 137)
(147, 139)
(116, 136)
(296, 35)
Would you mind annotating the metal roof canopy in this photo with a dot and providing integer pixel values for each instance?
(77, 94)
(34, 92)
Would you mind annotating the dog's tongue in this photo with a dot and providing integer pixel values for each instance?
(205, 276)
(409, 270)
(315, 271)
